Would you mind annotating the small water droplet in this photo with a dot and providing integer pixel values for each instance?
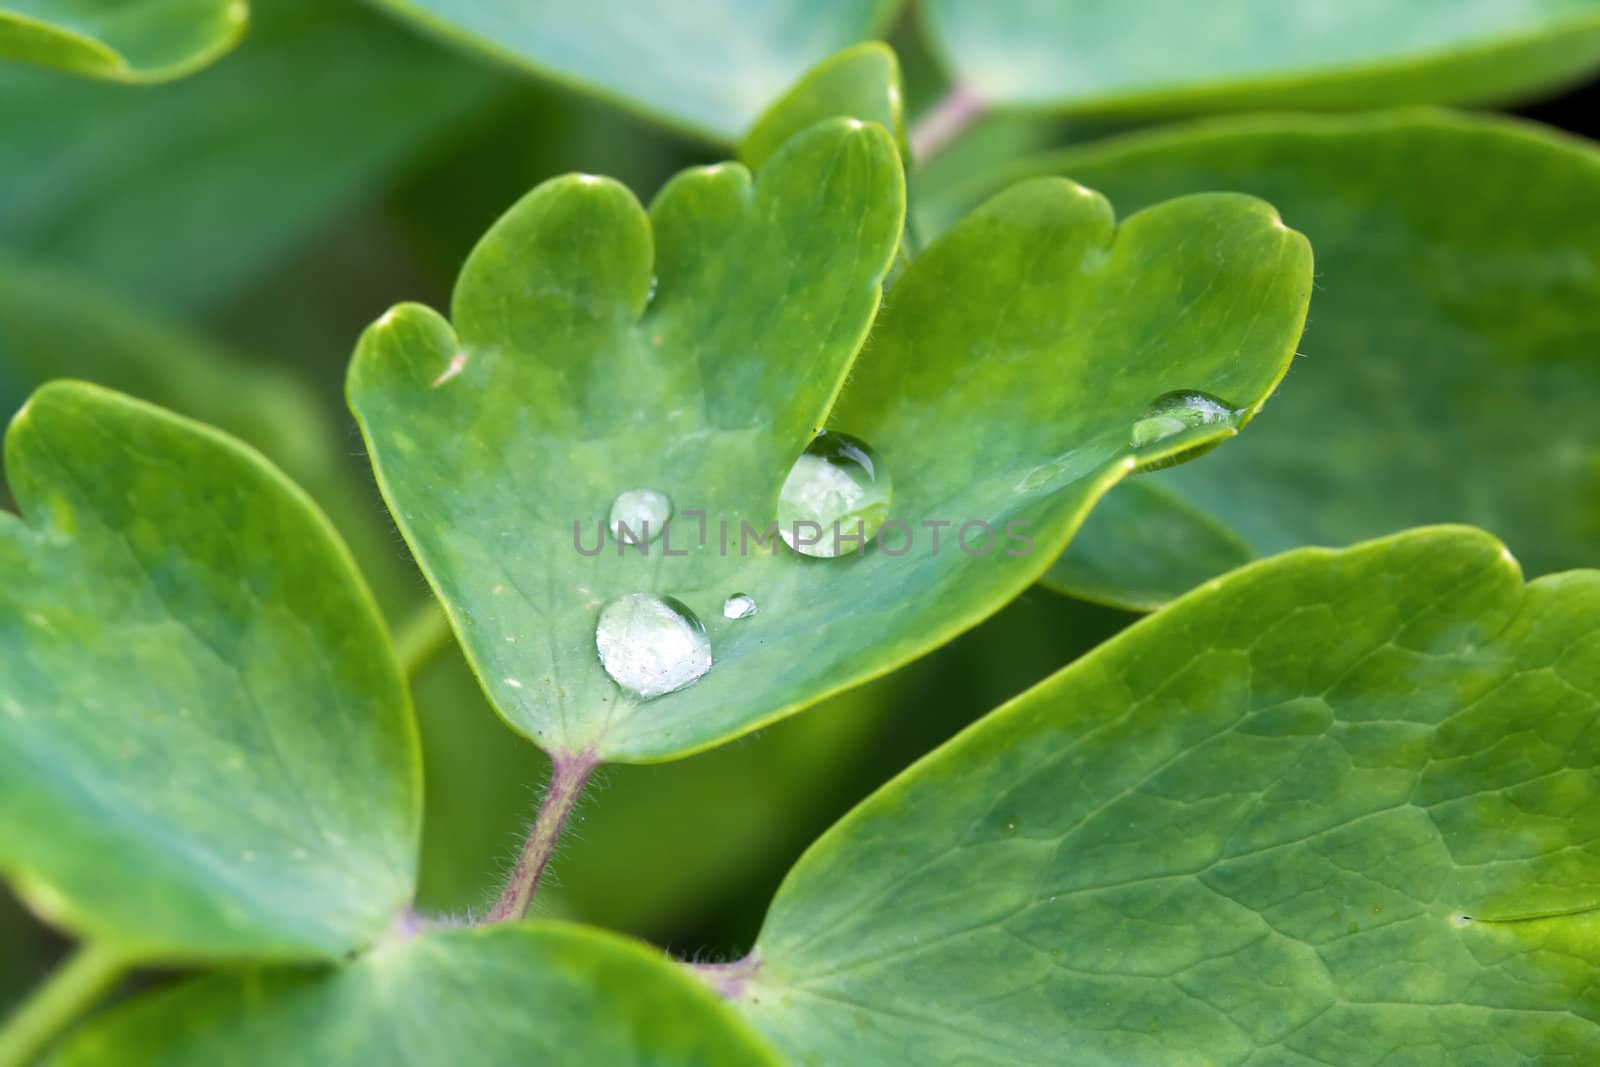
(651, 645)
(1172, 413)
(650, 294)
(739, 606)
(640, 515)
(1011, 825)
(835, 498)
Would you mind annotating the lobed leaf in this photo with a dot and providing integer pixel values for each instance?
(861, 82)
(704, 67)
(507, 994)
(206, 749)
(1335, 807)
(1449, 367)
(121, 40)
(1172, 55)
(1002, 393)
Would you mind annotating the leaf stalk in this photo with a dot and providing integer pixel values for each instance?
(69, 992)
(943, 123)
(568, 776)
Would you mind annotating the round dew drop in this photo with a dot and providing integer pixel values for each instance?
(651, 645)
(739, 606)
(1172, 413)
(835, 498)
(639, 516)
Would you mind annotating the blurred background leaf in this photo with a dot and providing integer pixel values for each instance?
(1177, 56)
(179, 194)
(129, 40)
(706, 67)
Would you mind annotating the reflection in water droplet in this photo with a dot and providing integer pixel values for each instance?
(639, 515)
(739, 606)
(835, 498)
(1011, 825)
(651, 645)
(1172, 413)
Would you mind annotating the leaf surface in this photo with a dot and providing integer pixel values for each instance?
(206, 750)
(1172, 55)
(509, 994)
(121, 40)
(1335, 807)
(708, 67)
(1000, 386)
(1448, 370)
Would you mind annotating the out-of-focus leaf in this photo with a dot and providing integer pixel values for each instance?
(1176, 55)
(708, 67)
(121, 40)
(1450, 369)
(495, 996)
(206, 749)
(1339, 807)
(180, 193)
(1001, 387)
(862, 82)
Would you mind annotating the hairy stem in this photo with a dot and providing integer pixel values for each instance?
(421, 637)
(56, 1004)
(567, 779)
(948, 119)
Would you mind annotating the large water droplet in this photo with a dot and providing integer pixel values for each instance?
(739, 606)
(1172, 413)
(835, 498)
(651, 645)
(640, 515)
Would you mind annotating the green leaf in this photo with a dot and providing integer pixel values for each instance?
(1172, 55)
(862, 82)
(156, 193)
(564, 384)
(121, 40)
(527, 993)
(1448, 371)
(707, 67)
(1338, 807)
(208, 750)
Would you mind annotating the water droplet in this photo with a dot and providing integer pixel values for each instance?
(739, 606)
(1172, 413)
(651, 645)
(1011, 825)
(640, 515)
(835, 498)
